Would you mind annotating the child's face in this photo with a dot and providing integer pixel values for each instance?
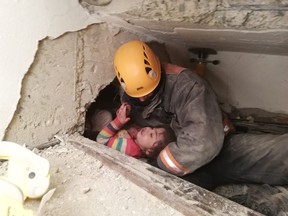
(148, 138)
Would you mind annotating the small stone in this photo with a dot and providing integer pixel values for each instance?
(85, 190)
(99, 165)
(35, 150)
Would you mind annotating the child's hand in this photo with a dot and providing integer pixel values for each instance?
(122, 113)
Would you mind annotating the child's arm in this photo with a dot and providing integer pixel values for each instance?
(108, 135)
(109, 132)
(125, 145)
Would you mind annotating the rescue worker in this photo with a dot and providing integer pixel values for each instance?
(176, 96)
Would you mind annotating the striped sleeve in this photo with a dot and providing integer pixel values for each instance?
(118, 143)
(167, 162)
(125, 145)
(108, 132)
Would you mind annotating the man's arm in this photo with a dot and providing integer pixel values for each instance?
(197, 124)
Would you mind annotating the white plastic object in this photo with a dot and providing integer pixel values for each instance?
(8, 189)
(26, 170)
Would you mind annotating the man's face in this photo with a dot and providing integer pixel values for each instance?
(149, 138)
(146, 97)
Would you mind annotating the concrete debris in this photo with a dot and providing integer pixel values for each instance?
(85, 190)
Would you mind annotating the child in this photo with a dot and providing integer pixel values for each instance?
(145, 142)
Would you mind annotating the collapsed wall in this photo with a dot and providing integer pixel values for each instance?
(65, 77)
(68, 72)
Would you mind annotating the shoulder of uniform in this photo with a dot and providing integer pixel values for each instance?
(169, 68)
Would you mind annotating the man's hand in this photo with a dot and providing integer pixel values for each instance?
(122, 113)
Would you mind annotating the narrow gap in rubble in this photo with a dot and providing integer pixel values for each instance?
(108, 100)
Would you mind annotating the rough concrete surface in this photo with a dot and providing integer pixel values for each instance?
(66, 76)
(229, 25)
(68, 72)
(23, 25)
(228, 13)
(86, 187)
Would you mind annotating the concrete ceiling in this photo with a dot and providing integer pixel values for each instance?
(228, 25)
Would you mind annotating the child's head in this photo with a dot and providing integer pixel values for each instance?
(153, 140)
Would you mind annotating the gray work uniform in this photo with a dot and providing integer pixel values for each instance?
(187, 103)
(246, 158)
(194, 115)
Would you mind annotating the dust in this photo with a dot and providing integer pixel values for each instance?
(84, 186)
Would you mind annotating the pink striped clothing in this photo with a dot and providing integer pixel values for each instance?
(118, 139)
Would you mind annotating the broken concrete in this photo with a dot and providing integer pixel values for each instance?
(23, 24)
(64, 79)
(68, 72)
(77, 65)
(85, 186)
(230, 25)
(186, 197)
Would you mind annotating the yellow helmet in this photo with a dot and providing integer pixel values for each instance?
(137, 68)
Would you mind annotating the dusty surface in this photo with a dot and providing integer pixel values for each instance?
(84, 186)
(66, 76)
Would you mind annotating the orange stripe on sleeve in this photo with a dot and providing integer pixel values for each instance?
(166, 164)
(174, 161)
